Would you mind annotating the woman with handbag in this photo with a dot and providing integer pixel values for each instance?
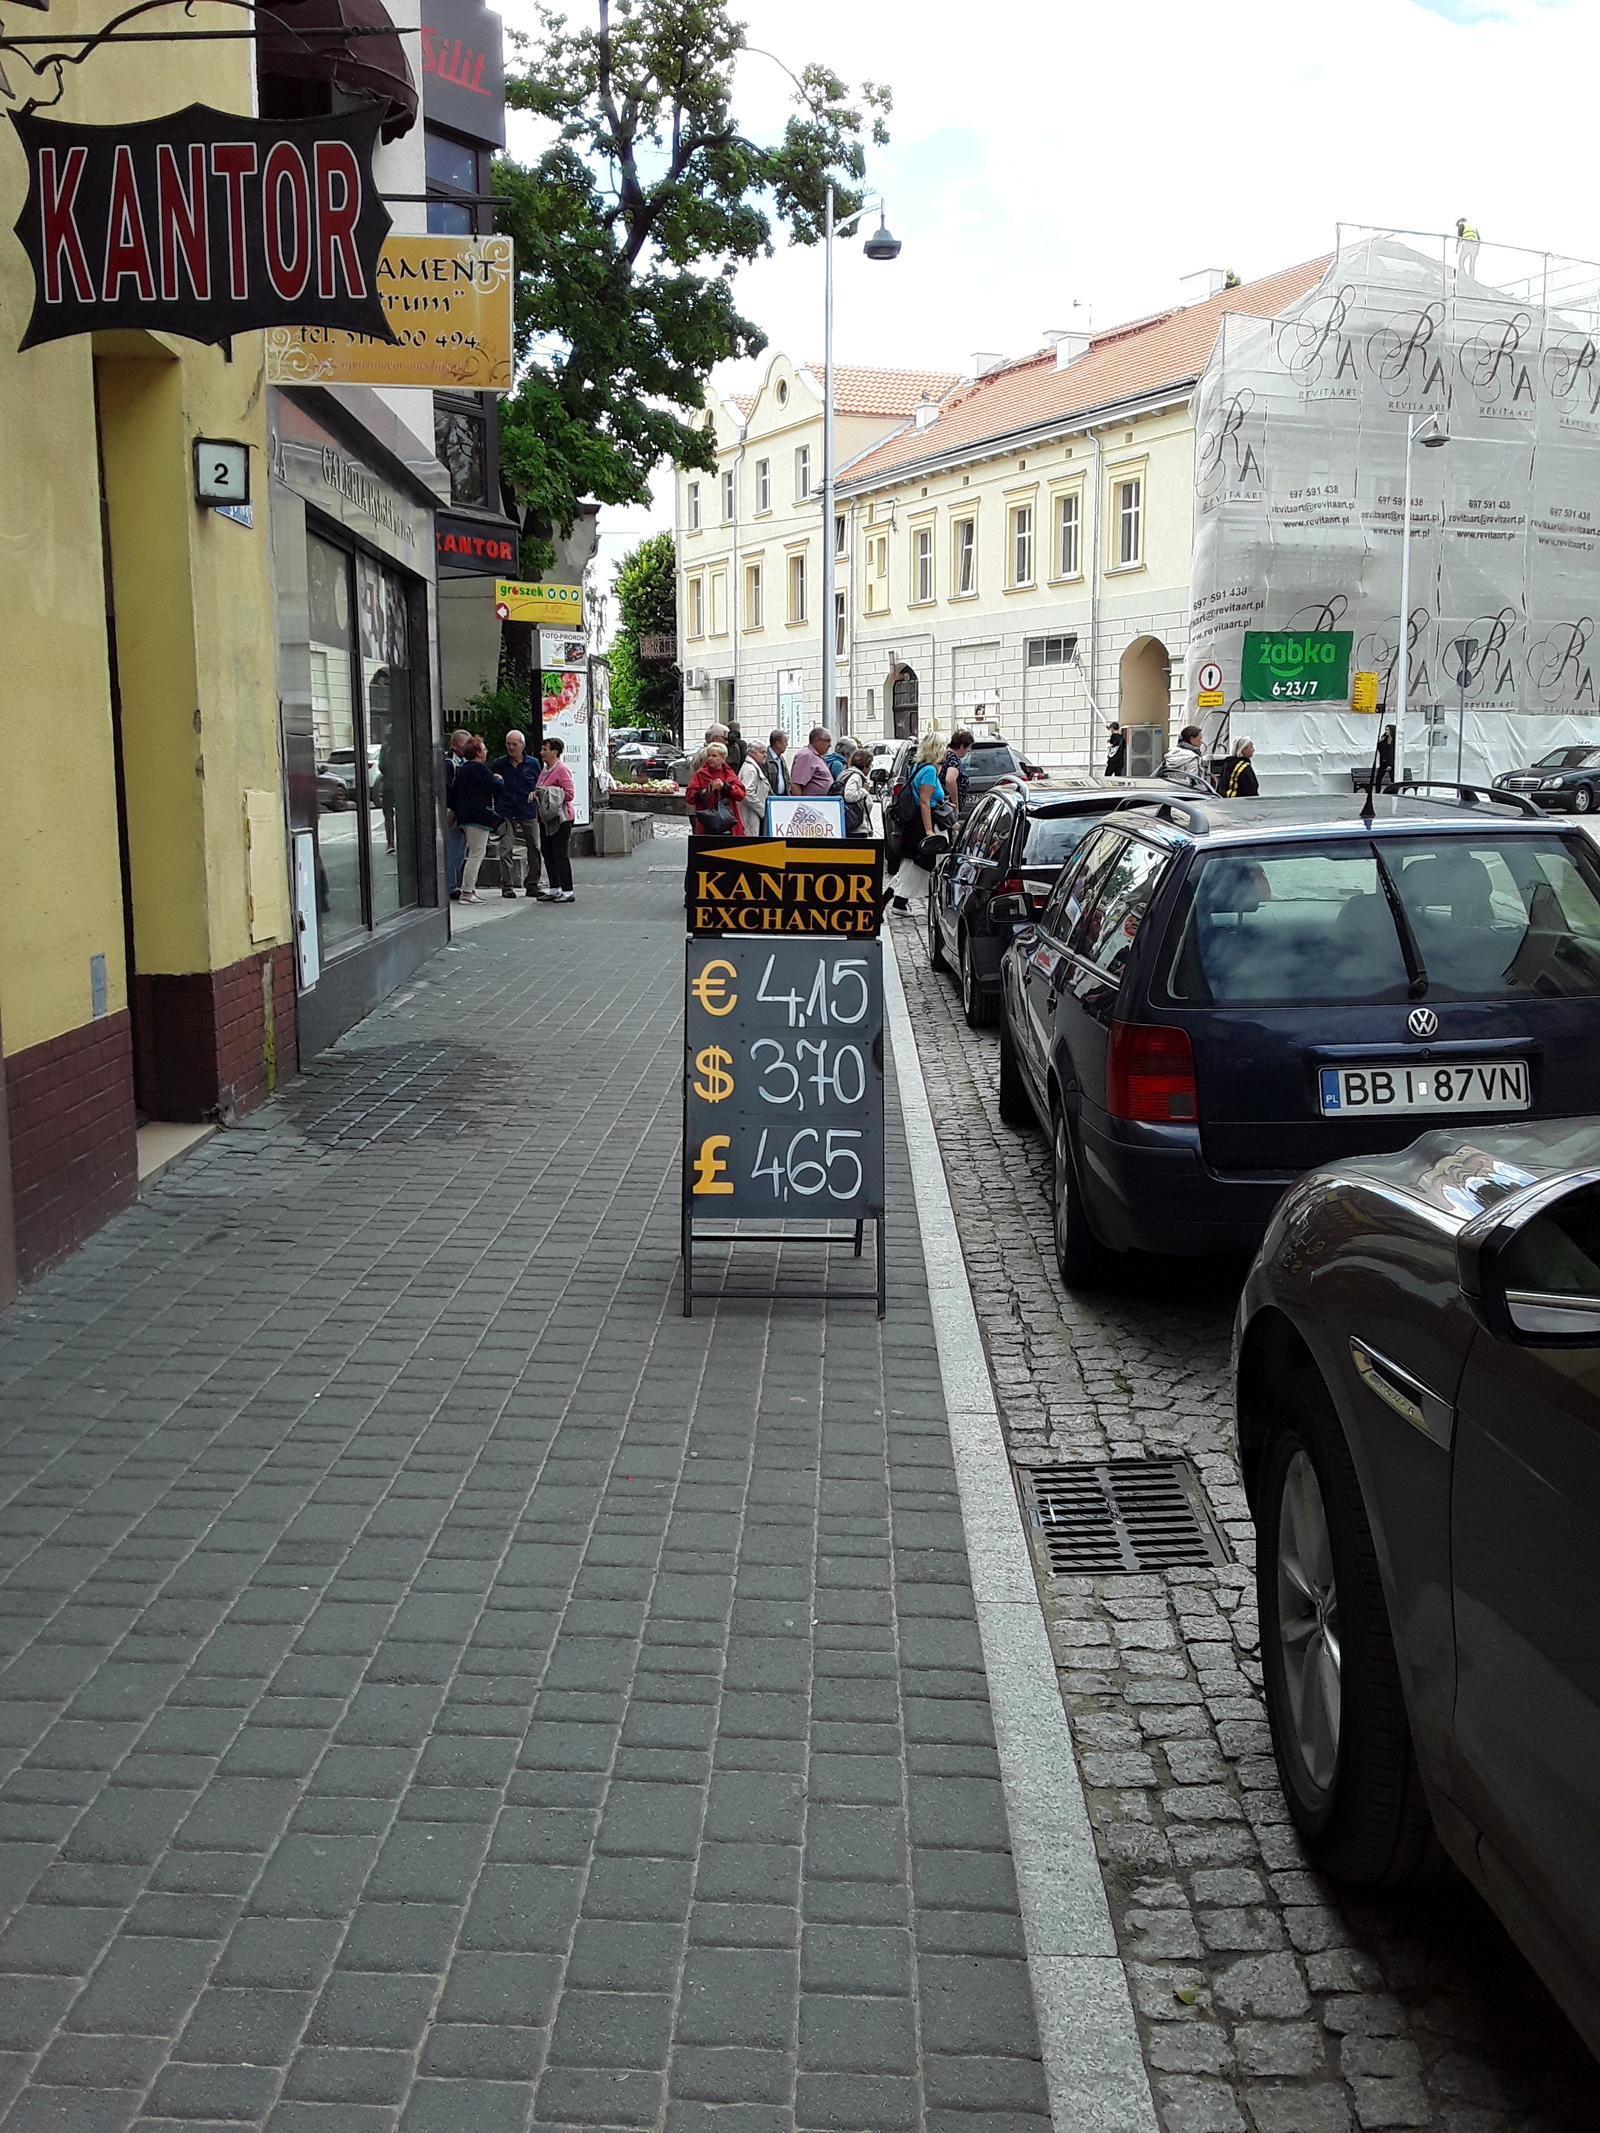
(713, 796)
(472, 802)
(553, 797)
(923, 814)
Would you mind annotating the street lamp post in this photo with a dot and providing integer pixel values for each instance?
(1414, 431)
(880, 245)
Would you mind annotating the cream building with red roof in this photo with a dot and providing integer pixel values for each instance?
(1011, 548)
(751, 591)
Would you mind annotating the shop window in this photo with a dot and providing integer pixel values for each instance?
(461, 443)
(366, 708)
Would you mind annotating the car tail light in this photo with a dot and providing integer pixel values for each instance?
(1150, 1073)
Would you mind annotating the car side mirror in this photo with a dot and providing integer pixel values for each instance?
(1530, 1267)
(1008, 907)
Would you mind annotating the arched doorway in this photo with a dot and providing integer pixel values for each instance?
(905, 698)
(1145, 678)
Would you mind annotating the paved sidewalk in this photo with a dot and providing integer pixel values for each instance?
(445, 1690)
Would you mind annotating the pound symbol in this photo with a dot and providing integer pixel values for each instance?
(709, 1167)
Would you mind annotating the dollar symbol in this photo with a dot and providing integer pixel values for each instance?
(717, 1084)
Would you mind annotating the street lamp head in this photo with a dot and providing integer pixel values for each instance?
(1431, 440)
(880, 245)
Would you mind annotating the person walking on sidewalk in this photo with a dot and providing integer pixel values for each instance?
(810, 774)
(922, 793)
(714, 795)
(555, 821)
(1186, 765)
(472, 798)
(1239, 780)
(515, 776)
(455, 838)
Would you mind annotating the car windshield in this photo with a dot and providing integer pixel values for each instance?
(1054, 838)
(1569, 759)
(1491, 918)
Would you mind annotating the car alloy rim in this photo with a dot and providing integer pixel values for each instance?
(1308, 1623)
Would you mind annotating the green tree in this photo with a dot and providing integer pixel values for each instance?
(629, 229)
(646, 692)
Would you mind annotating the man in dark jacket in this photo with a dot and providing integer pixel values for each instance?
(1238, 780)
(518, 848)
(1117, 752)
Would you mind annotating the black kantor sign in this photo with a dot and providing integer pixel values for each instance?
(204, 224)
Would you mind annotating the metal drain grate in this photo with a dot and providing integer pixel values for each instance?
(1133, 1514)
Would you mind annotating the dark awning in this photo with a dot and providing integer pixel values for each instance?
(310, 41)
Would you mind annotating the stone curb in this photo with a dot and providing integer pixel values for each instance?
(1093, 2061)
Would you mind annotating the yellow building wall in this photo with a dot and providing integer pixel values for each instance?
(193, 595)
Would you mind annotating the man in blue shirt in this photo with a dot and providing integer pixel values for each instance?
(515, 776)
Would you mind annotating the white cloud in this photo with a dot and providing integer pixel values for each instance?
(1042, 154)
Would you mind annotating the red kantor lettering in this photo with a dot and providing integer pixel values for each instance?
(127, 248)
(338, 211)
(234, 161)
(58, 193)
(287, 270)
(181, 222)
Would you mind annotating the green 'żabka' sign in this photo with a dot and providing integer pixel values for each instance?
(1296, 667)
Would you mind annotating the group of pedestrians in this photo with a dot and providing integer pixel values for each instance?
(730, 782)
(925, 811)
(1186, 764)
(524, 803)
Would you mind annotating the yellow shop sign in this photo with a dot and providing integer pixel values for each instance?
(538, 603)
(448, 300)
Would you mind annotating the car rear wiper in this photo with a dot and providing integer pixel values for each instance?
(1416, 969)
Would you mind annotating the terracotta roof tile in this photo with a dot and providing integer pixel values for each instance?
(1169, 349)
(861, 390)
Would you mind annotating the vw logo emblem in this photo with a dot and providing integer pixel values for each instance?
(1422, 1022)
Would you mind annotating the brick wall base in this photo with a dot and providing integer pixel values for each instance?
(214, 1043)
(74, 1154)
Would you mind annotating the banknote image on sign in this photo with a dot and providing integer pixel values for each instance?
(782, 1096)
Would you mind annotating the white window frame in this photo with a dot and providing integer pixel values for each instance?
(797, 587)
(729, 496)
(841, 610)
(1127, 520)
(877, 573)
(802, 472)
(718, 617)
(1069, 534)
(838, 533)
(752, 597)
(964, 536)
(1021, 544)
(763, 485)
(697, 607)
(922, 564)
(694, 507)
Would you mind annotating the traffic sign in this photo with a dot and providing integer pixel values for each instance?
(1209, 677)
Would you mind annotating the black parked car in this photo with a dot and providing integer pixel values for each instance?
(990, 762)
(1417, 1367)
(1566, 778)
(1219, 995)
(1000, 870)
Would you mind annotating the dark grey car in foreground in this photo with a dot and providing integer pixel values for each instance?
(1417, 1369)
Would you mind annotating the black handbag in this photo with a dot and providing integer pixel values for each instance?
(714, 821)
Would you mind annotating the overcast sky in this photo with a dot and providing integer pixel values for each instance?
(1045, 156)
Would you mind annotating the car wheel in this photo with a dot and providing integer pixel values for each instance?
(936, 959)
(1016, 1107)
(1583, 800)
(1339, 1726)
(1080, 1255)
(978, 1006)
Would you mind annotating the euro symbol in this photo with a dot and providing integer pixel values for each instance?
(709, 987)
(708, 1165)
(717, 1083)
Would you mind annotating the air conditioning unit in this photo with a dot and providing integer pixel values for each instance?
(696, 678)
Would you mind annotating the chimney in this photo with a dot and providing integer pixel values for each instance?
(984, 360)
(1071, 344)
(925, 414)
(1209, 281)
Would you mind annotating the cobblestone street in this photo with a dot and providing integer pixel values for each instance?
(446, 1689)
(1266, 1999)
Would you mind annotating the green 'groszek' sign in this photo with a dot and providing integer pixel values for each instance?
(1296, 667)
